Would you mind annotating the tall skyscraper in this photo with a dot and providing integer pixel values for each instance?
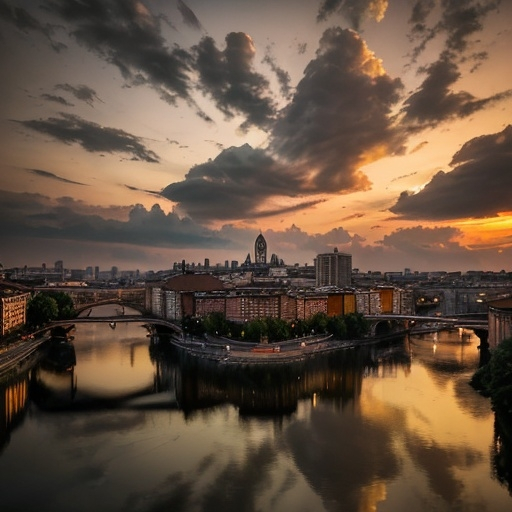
(260, 249)
(333, 269)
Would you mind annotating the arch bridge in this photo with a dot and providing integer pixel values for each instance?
(389, 323)
(113, 319)
(112, 301)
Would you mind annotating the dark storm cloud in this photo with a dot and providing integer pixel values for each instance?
(435, 101)
(339, 118)
(52, 176)
(479, 186)
(36, 216)
(229, 78)
(420, 239)
(283, 77)
(80, 92)
(56, 99)
(126, 34)
(425, 246)
(25, 22)
(233, 185)
(189, 18)
(91, 136)
(353, 10)
(150, 192)
(458, 21)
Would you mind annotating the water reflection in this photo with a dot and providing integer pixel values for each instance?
(274, 389)
(136, 426)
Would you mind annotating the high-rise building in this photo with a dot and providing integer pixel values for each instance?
(260, 249)
(333, 269)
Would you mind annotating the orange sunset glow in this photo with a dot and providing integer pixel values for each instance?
(138, 133)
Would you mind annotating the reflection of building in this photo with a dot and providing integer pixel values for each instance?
(260, 249)
(333, 269)
(13, 403)
(13, 310)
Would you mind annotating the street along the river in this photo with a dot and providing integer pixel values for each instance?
(126, 425)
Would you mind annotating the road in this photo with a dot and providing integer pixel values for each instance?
(15, 353)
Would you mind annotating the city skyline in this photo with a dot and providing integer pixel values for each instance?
(138, 134)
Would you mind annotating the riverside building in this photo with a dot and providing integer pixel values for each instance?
(333, 269)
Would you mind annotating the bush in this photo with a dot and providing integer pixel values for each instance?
(495, 378)
(41, 309)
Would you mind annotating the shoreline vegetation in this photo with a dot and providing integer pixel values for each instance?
(494, 379)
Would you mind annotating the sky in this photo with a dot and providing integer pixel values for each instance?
(141, 133)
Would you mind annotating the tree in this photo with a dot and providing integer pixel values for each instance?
(357, 325)
(337, 327)
(65, 305)
(256, 329)
(278, 329)
(216, 323)
(317, 324)
(495, 378)
(42, 308)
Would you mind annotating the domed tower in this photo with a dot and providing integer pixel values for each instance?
(260, 249)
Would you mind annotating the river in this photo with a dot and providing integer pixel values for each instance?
(120, 424)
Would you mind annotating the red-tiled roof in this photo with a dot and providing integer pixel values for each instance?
(194, 283)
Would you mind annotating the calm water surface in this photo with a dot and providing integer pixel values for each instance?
(130, 427)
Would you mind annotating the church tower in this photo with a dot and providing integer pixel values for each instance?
(260, 250)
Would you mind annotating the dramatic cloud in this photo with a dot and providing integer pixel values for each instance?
(189, 18)
(283, 77)
(56, 99)
(150, 192)
(228, 77)
(339, 120)
(458, 21)
(434, 101)
(340, 116)
(294, 240)
(353, 10)
(429, 248)
(80, 92)
(126, 34)
(36, 216)
(25, 22)
(479, 186)
(91, 136)
(52, 176)
(233, 185)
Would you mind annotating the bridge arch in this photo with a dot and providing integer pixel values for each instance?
(382, 327)
(113, 301)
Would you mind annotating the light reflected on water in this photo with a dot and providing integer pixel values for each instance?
(133, 428)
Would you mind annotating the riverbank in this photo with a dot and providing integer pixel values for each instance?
(229, 352)
(19, 355)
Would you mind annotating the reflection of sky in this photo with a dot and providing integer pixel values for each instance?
(116, 361)
(407, 442)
